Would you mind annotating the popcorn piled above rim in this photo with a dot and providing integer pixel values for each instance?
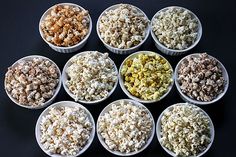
(185, 130)
(65, 27)
(90, 77)
(146, 76)
(123, 28)
(175, 30)
(125, 127)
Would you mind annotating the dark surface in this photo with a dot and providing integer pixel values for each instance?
(20, 37)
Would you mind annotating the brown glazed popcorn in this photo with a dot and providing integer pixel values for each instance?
(65, 25)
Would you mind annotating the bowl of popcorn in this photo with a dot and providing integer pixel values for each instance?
(123, 28)
(201, 79)
(185, 130)
(175, 30)
(65, 27)
(146, 77)
(33, 82)
(90, 77)
(65, 129)
(125, 127)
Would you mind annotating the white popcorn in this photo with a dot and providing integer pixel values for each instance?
(175, 28)
(185, 130)
(91, 75)
(123, 27)
(65, 130)
(125, 127)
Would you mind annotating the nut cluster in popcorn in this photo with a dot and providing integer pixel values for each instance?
(65, 130)
(200, 77)
(123, 27)
(65, 25)
(31, 82)
(91, 76)
(126, 127)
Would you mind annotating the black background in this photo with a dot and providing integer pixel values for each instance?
(20, 37)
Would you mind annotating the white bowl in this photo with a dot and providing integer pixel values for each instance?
(106, 109)
(70, 48)
(64, 104)
(158, 131)
(65, 78)
(193, 101)
(175, 52)
(121, 79)
(117, 50)
(48, 102)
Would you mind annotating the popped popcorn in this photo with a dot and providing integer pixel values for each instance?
(126, 127)
(200, 77)
(147, 76)
(123, 27)
(65, 130)
(185, 130)
(176, 28)
(65, 25)
(91, 76)
(32, 81)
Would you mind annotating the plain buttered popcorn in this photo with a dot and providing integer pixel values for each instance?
(125, 127)
(185, 130)
(65, 130)
(123, 27)
(175, 28)
(91, 76)
(65, 25)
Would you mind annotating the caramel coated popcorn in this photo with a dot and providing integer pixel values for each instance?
(65, 25)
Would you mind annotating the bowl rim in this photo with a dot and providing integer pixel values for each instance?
(46, 103)
(147, 30)
(121, 80)
(68, 47)
(199, 32)
(158, 129)
(64, 76)
(135, 103)
(65, 104)
(185, 97)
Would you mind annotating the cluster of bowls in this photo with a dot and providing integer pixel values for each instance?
(156, 128)
(136, 101)
(161, 47)
(64, 77)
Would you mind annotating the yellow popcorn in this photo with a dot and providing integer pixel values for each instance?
(147, 76)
